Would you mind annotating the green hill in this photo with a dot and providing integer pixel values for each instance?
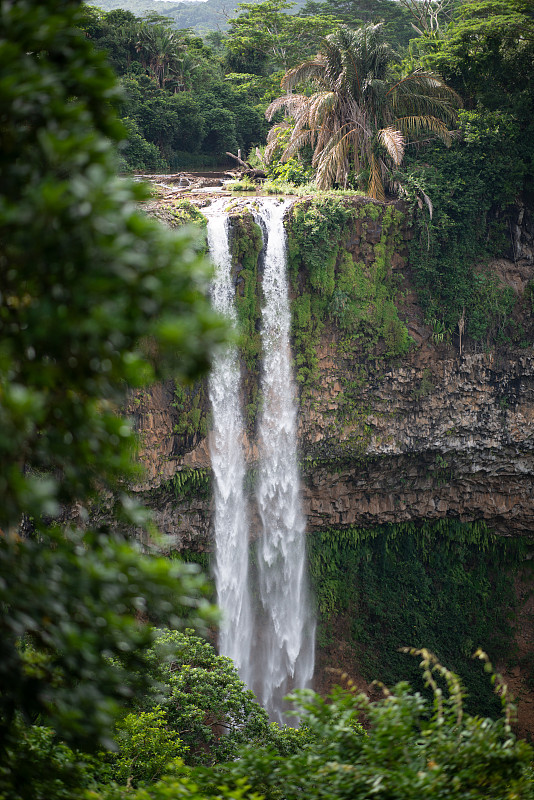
(200, 15)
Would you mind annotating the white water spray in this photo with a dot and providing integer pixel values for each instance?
(228, 464)
(286, 629)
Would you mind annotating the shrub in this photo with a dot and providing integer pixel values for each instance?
(414, 747)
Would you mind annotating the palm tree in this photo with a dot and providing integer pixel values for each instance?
(160, 49)
(358, 118)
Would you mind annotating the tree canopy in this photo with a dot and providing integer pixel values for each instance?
(179, 110)
(265, 34)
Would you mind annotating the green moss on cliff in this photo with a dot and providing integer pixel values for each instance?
(443, 585)
(192, 412)
(175, 213)
(340, 255)
(246, 244)
(186, 213)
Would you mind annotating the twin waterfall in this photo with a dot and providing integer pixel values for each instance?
(268, 628)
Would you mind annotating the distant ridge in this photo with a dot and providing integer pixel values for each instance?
(200, 15)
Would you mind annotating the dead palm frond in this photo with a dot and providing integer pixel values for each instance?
(394, 142)
(292, 103)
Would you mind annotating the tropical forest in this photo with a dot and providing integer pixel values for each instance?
(266, 400)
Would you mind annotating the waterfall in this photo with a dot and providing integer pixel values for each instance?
(272, 648)
(228, 464)
(286, 628)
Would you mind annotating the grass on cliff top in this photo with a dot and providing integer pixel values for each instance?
(285, 187)
(305, 189)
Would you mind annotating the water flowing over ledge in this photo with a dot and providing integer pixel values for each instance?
(287, 644)
(228, 464)
(272, 646)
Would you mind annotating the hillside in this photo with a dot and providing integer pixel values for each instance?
(200, 15)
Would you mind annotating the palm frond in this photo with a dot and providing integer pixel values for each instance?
(415, 125)
(292, 102)
(303, 73)
(355, 106)
(394, 142)
(376, 187)
(424, 92)
(297, 142)
(320, 105)
(333, 161)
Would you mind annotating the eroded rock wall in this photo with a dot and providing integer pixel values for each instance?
(439, 432)
(433, 433)
(438, 435)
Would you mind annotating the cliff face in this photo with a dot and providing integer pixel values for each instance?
(416, 448)
(427, 434)
(438, 436)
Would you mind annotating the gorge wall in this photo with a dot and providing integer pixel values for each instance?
(409, 438)
(425, 434)
(438, 436)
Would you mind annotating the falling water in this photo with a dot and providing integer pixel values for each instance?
(286, 630)
(228, 464)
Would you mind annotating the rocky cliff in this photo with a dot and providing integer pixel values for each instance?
(406, 431)
(428, 434)
(438, 435)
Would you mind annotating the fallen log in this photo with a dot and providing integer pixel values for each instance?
(239, 160)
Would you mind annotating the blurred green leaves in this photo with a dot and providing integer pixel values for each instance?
(73, 603)
(94, 297)
(85, 280)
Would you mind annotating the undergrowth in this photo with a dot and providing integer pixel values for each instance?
(445, 585)
(473, 189)
(189, 482)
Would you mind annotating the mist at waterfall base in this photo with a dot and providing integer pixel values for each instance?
(271, 640)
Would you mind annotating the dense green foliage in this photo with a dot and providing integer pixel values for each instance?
(469, 186)
(265, 38)
(444, 584)
(415, 747)
(412, 745)
(211, 17)
(147, 745)
(203, 700)
(86, 283)
(397, 25)
(35, 764)
(73, 603)
(178, 109)
(487, 55)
